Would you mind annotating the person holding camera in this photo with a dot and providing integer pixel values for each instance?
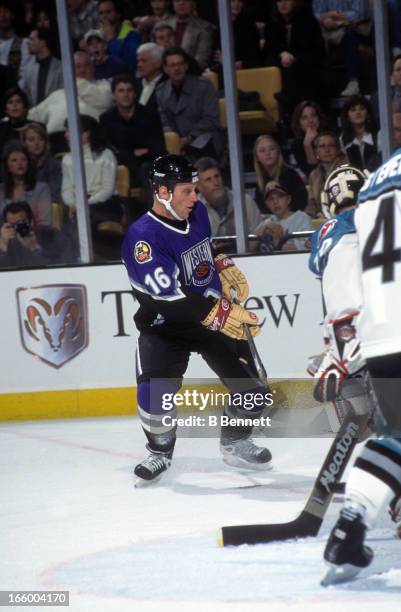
(19, 245)
(25, 243)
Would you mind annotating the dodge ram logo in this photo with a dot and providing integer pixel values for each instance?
(53, 322)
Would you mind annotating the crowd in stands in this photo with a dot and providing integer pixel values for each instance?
(147, 68)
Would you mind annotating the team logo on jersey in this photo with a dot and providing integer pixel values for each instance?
(202, 270)
(198, 264)
(142, 252)
(327, 227)
(53, 322)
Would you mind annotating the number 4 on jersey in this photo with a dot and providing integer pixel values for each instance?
(384, 226)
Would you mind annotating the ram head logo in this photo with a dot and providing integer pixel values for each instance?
(53, 322)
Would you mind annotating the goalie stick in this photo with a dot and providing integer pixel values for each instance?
(309, 521)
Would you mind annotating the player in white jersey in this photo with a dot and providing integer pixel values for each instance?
(378, 224)
(334, 245)
(375, 479)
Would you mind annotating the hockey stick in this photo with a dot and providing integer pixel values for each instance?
(260, 368)
(326, 484)
(258, 363)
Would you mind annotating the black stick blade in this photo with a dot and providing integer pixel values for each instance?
(304, 525)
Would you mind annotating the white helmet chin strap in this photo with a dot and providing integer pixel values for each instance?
(167, 205)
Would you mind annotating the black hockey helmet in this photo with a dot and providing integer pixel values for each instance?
(169, 170)
(341, 189)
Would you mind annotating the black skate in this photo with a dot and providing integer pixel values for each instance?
(245, 454)
(345, 550)
(150, 471)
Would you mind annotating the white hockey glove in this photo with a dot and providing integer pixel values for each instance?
(329, 375)
(344, 344)
(328, 385)
(231, 277)
(231, 319)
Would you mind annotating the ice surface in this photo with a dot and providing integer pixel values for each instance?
(71, 519)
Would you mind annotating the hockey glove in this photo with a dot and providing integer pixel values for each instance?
(231, 319)
(231, 277)
(328, 386)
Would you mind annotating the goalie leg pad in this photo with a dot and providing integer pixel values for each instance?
(375, 479)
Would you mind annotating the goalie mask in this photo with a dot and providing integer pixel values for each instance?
(341, 189)
(167, 171)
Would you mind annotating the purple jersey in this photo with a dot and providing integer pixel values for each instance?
(166, 263)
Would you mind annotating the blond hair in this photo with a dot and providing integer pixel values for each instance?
(40, 130)
(261, 176)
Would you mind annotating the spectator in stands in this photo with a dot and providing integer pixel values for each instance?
(123, 40)
(45, 15)
(136, 138)
(163, 35)
(15, 108)
(189, 106)
(219, 201)
(145, 23)
(269, 166)
(281, 220)
(329, 156)
(358, 136)
(20, 184)
(14, 51)
(345, 24)
(306, 122)
(24, 23)
(83, 17)
(150, 74)
(376, 160)
(395, 89)
(100, 173)
(19, 245)
(48, 169)
(246, 39)
(106, 66)
(396, 117)
(43, 74)
(94, 98)
(193, 34)
(23, 243)
(294, 42)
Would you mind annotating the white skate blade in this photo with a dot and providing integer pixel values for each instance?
(237, 462)
(338, 574)
(141, 483)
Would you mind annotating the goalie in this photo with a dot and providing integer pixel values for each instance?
(341, 366)
(186, 306)
(374, 481)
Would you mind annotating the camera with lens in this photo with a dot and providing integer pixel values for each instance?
(22, 228)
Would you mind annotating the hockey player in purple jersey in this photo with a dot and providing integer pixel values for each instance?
(186, 306)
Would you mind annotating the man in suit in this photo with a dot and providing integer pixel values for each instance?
(150, 74)
(193, 34)
(189, 106)
(43, 74)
